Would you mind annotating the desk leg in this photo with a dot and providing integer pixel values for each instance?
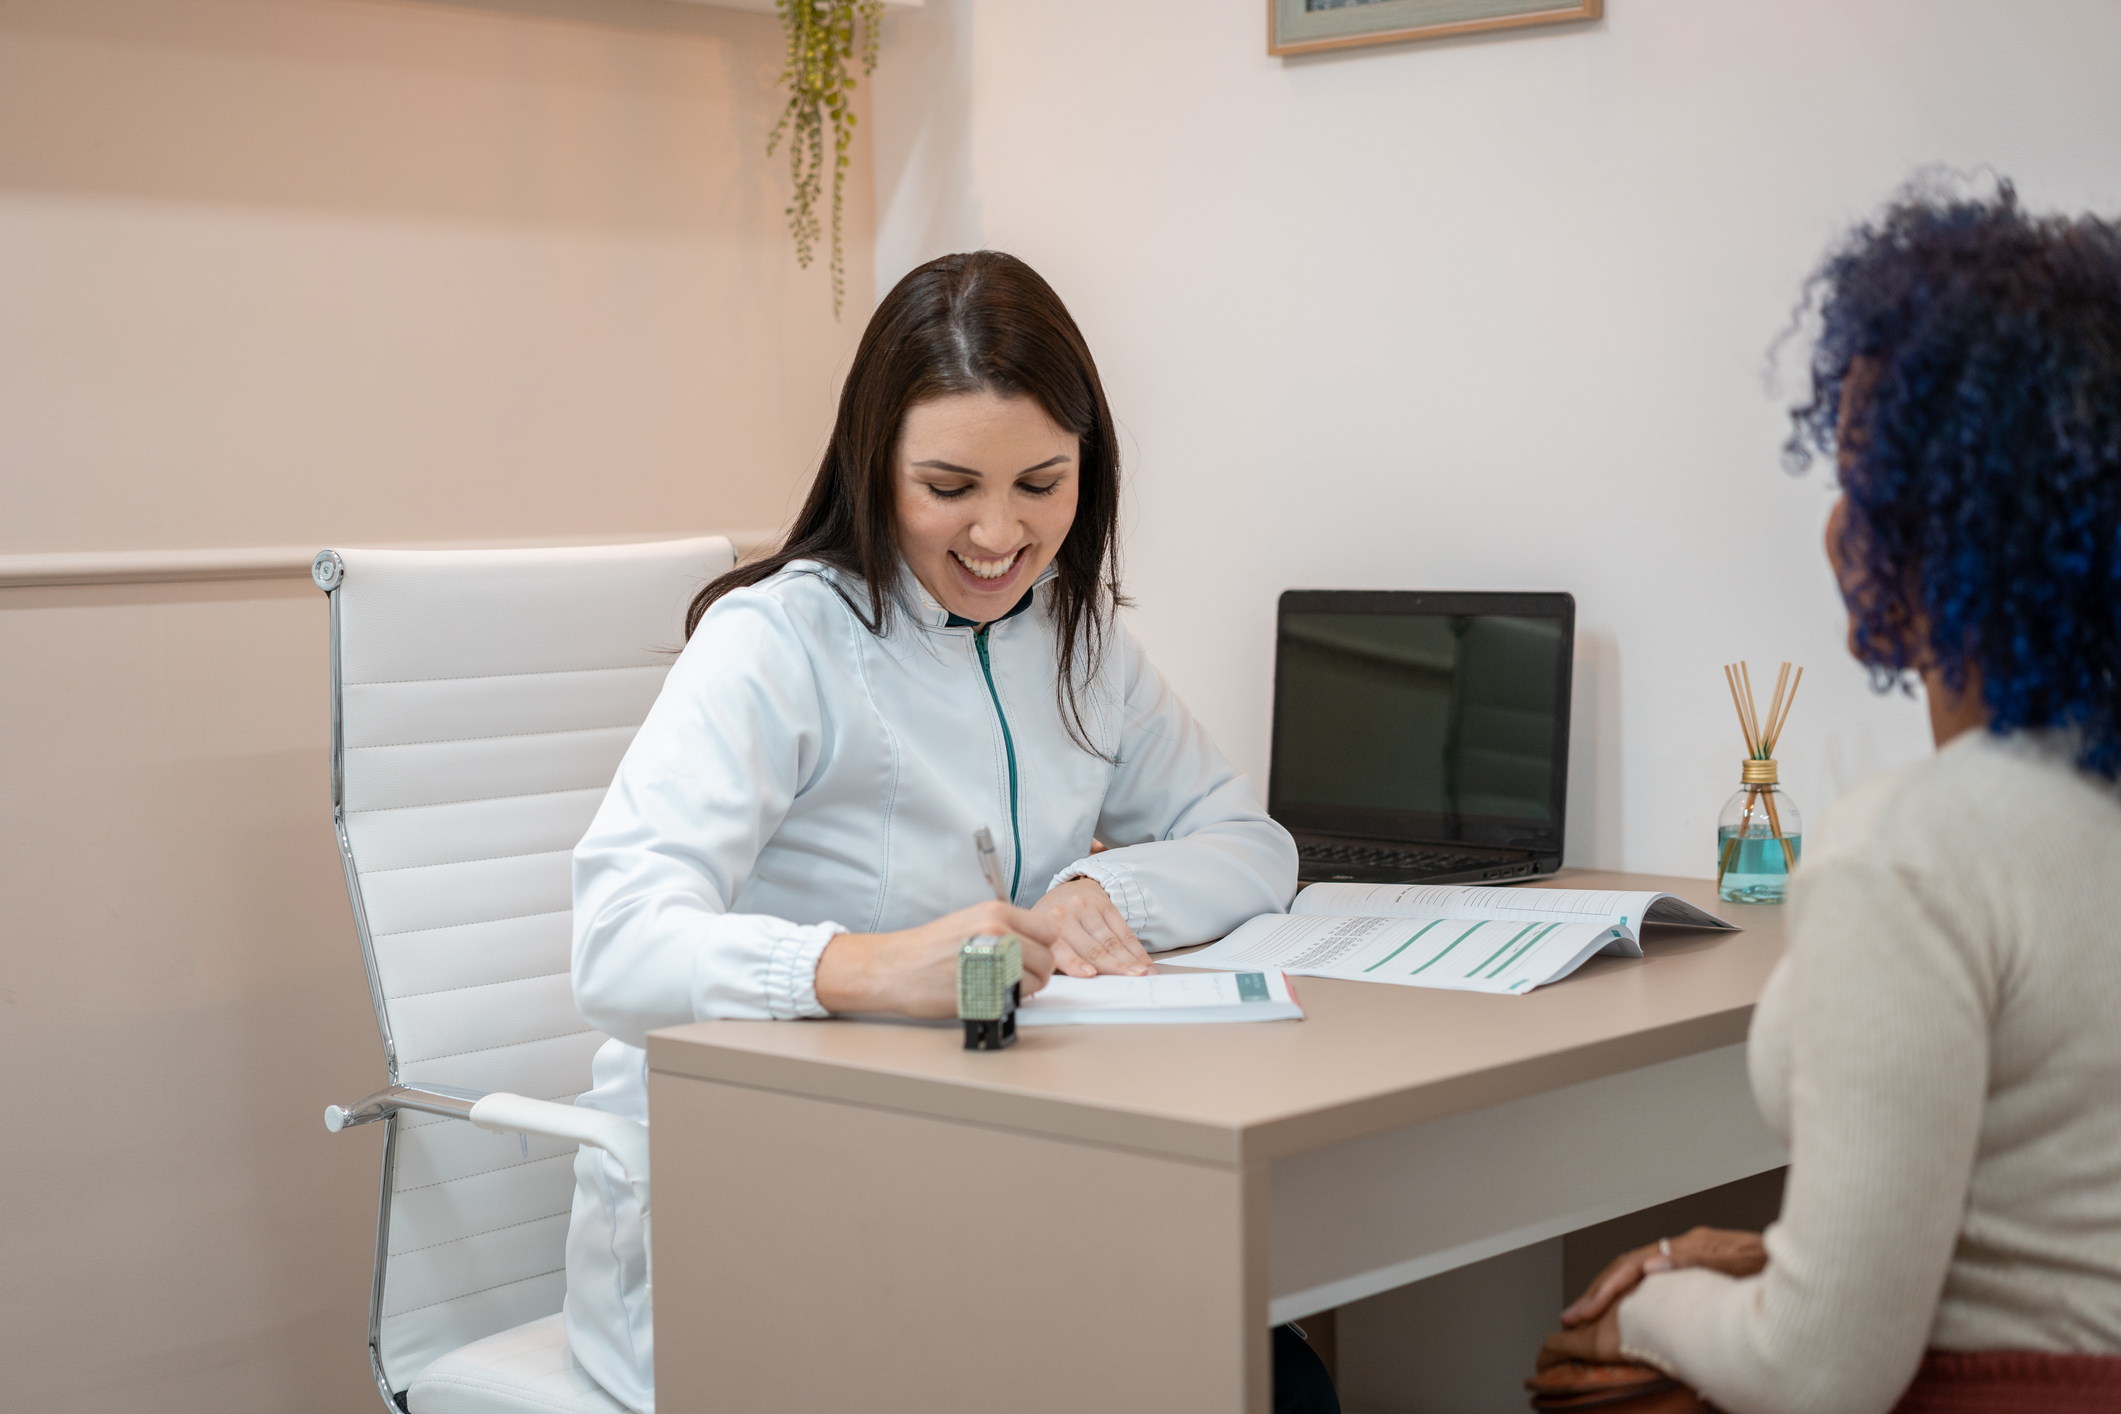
(816, 1257)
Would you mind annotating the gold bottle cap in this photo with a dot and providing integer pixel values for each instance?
(1757, 773)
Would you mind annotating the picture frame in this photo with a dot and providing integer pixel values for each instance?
(1312, 26)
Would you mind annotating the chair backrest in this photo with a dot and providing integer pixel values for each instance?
(481, 703)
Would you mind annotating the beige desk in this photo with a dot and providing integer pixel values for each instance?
(865, 1217)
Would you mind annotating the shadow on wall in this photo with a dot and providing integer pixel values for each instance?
(927, 202)
(1594, 833)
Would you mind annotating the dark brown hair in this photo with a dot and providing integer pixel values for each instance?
(979, 322)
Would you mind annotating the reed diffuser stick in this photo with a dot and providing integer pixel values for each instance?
(1752, 796)
(1767, 749)
(1789, 702)
(1774, 819)
(1778, 716)
(1730, 679)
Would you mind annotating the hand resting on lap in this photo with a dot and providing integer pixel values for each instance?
(1591, 1323)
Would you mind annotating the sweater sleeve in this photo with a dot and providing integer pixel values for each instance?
(1891, 995)
(1194, 852)
(707, 780)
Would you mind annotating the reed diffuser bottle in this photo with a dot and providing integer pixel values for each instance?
(1760, 835)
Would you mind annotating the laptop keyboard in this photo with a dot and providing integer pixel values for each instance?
(1425, 861)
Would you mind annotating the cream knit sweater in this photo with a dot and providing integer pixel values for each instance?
(1942, 1051)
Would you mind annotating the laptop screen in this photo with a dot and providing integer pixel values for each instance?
(1423, 716)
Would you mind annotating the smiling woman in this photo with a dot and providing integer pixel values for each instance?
(982, 323)
(974, 536)
(935, 651)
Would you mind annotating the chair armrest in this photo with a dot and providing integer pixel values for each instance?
(624, 1139)
(446, 1100)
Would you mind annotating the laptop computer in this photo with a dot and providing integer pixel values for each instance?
(1422, 737)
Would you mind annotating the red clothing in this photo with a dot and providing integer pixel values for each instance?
(2013, 1382)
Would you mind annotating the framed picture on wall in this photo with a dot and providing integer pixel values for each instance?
(1306, 26)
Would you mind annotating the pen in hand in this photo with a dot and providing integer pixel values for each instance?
(989, 864)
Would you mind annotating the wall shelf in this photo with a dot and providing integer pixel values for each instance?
(281, 561)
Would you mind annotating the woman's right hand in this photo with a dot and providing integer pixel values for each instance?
(913, 972)
(1738, 1254)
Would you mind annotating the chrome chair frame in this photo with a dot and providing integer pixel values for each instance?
(329, 572)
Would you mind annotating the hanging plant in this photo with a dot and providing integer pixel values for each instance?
(821, 46)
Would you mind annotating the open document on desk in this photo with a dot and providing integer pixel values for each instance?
(1431, 935)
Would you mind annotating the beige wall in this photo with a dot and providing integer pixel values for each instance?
(288, 270)
(304, 272)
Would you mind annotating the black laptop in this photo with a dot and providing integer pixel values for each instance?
(1422, 737)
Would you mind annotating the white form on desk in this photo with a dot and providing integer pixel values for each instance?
(1449, 936)
(1244, 995)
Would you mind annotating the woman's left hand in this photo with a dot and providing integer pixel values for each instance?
(1592, 1321)
(1094, 936)
(1734, 1253)
(1597, 1342)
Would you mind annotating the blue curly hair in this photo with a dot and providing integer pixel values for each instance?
(1981, 455)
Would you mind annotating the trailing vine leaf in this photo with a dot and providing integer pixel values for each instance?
(821, 43)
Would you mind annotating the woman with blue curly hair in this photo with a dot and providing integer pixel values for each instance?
(1942, 1046)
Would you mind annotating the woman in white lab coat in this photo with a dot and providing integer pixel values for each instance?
(934, 650)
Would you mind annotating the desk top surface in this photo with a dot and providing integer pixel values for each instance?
(1367, 1058)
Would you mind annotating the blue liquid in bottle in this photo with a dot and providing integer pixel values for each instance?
(1751, 864)
(1759, 872)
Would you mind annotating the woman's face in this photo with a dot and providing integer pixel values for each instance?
(986, 493)
(1847, 575)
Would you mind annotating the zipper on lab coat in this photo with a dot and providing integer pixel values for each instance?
(1016, 832)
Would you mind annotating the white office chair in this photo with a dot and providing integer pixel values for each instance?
(481, 701)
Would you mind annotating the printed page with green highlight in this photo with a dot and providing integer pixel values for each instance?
(1251, 994)
(1463, 939)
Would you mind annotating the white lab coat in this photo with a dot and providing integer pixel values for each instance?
(800, 777)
